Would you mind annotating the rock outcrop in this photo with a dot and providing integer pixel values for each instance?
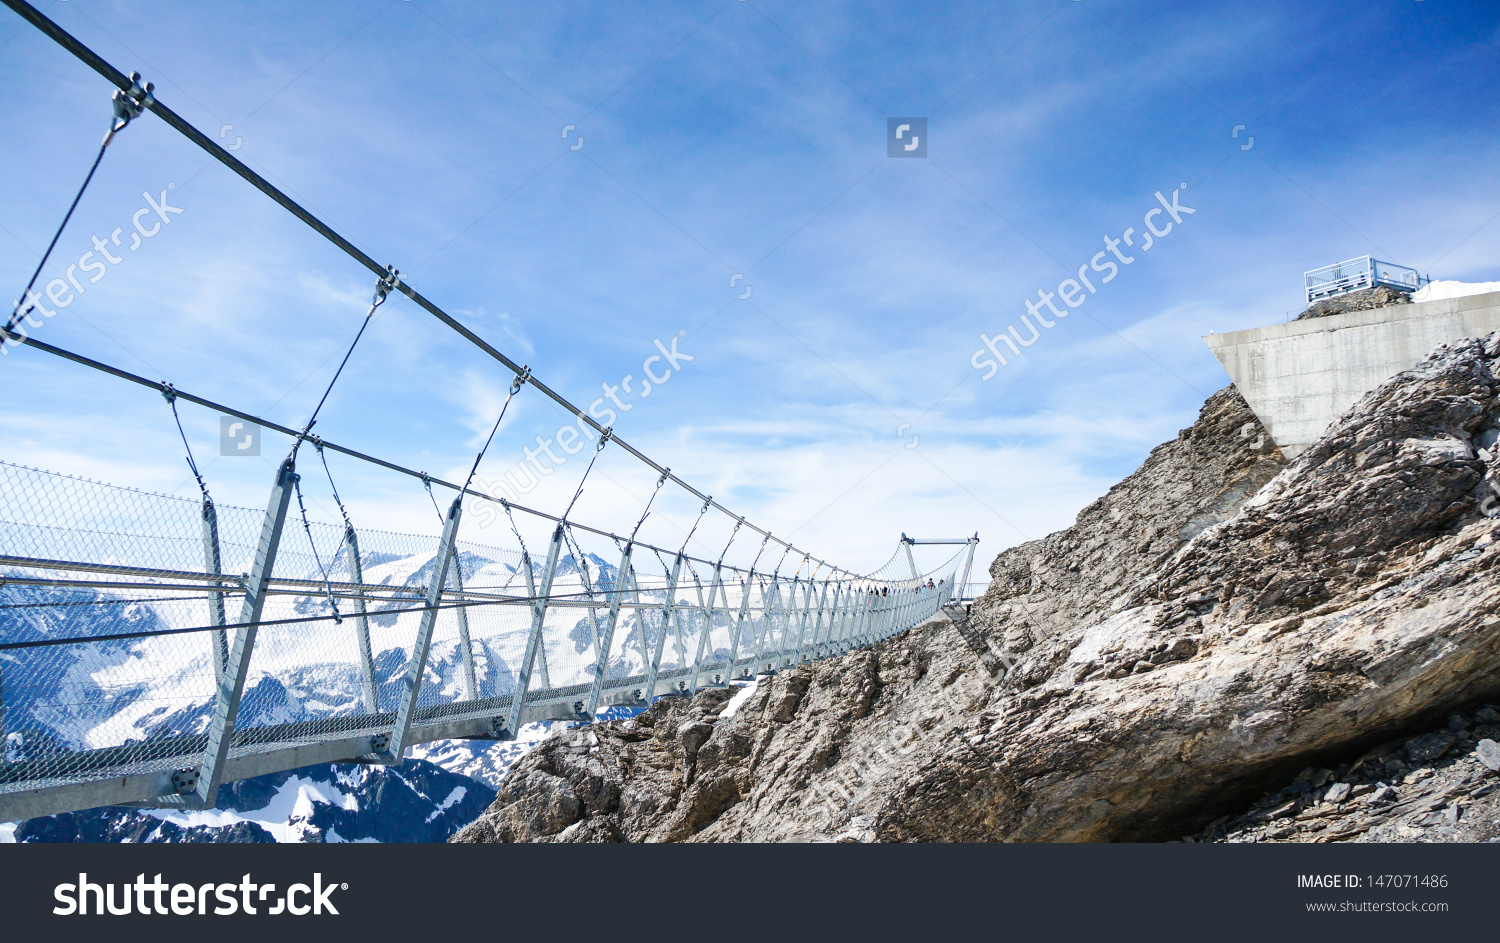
(1362, 300)
(1438, 786)
(1183, 648)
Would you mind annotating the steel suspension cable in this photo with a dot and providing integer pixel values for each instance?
(515, 387)
(701, 511)
(170, 395)
(127, 105)
(343, 512)
(659, 482)
(382, 288)
(307, 528)
(603, 441)
(172, 119)
(113, 75)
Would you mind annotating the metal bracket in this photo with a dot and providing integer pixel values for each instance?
(128, 104)
(380, 743)
(388, 283)
(185, 781)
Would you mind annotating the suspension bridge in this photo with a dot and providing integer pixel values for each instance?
(154, 647)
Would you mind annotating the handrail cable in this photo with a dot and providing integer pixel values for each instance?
(285, 430)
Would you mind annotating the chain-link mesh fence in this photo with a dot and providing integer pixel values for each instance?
(130, 585)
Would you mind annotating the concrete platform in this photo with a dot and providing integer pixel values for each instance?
(1302, 376)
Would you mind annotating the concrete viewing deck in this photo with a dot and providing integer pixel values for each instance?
(1301, 376)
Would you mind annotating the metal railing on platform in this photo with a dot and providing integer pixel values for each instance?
(1356, 274)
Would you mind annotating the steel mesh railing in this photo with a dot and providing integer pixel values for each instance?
(123, 577)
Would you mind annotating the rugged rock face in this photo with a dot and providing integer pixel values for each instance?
(1185, 486)
(1363, 300)
(1438, 786)
(1160, 684)
(783, 761)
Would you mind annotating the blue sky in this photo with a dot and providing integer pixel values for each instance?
(836, 405)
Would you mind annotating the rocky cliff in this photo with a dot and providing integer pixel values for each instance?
(1216, 623)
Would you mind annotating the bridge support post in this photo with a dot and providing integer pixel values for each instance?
(361, 624)
(737, 633)
(606, 639)
(775, 640)
(423, 643)
(531, 593)
(810, 650)
(857, 602)
(767, 623)
(963, 585)
(906, 543)
(834, 639)
(667, 618)
(835, 621)
(823, 623)
(534, 639)
(465, 647)
(708, 626)
(789, 619)
(237, 666)
(852, 616)
(792, 647)
(213, 565)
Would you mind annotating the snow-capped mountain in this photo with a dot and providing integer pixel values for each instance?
(79, 697)
(414, 802)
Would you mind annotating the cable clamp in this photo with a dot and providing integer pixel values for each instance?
(167, 392)
(129, 103)
(520, 380)
(604, 437)
(387, 284)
